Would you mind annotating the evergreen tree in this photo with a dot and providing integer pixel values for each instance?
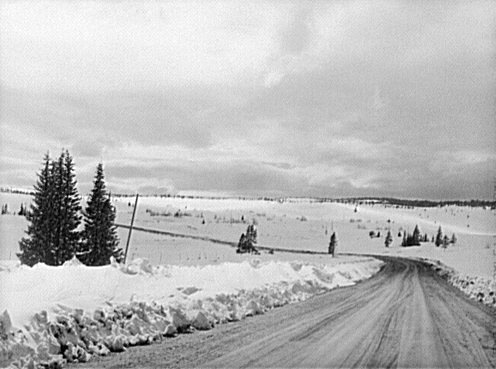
(36, 246)
(439, 237)
(446, 241)
(100, 241)
(251, 233)
(54, 216)
(53, 256)
(66, 203)
(247, 241)
(333, 244)
(416, 236)
(389, 239)
(70, 211)
(453, 239)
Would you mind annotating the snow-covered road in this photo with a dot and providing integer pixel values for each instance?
(405, 316)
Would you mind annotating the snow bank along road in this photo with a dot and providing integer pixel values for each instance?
(405, 316)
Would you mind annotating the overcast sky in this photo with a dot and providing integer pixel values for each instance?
(279, 98)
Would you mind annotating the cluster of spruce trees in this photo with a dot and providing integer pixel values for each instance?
(55, 216)
(444, 240)
(412, 239)
(23, 211)
(416, 238)
(247, 241)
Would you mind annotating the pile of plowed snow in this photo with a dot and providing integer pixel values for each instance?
(477, 288)
(52, 315)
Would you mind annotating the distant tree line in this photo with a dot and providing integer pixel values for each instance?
(55, 216)
(414, 203)
(177, 196)
(17, 191)
(347, 200)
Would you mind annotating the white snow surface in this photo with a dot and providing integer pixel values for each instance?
(78, 311)
(175, 283)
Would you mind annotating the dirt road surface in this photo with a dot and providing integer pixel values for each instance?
(405, 316)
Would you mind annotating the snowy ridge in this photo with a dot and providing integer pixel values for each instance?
(83, 311)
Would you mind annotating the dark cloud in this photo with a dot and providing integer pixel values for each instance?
(95, 121)
(236, 178)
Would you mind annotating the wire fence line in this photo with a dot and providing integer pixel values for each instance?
(221, 242)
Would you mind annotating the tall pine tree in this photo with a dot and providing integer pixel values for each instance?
(416, 236)
(333, 244)
(70, 218)
(54, 216)
(36, 246)
(100, 240)
(439, 237)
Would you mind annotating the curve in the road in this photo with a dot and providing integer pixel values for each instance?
(406, 317)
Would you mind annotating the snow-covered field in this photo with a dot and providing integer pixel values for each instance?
(280, 225)
(177, 282)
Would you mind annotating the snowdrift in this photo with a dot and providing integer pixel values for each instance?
(52, 315)
(476, 288)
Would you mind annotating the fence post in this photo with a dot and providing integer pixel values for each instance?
(130, 228)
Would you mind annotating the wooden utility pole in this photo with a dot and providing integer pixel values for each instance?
(131, 228)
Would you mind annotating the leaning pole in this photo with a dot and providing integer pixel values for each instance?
(130, 229)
